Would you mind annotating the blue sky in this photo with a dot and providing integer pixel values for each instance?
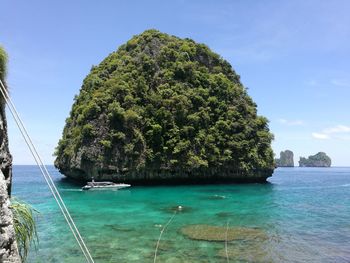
(294, 57)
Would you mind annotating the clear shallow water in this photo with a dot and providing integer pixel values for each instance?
(304, 213)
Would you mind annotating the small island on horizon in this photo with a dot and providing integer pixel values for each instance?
(286, 159)
(320, 159)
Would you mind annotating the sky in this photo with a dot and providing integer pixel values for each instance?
(293, 56)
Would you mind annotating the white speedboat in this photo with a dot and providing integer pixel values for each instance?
(104, 186)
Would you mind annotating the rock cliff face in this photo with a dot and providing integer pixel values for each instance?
(8, 245)
(318, 160)
(286, 159)
(165, 109)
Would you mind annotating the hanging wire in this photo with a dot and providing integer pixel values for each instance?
(226, 251)
(46, 175)
(160, 236)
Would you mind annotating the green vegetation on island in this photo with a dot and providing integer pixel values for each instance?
(318, 160)
(161, 107)
(286, 159)
(3, 62)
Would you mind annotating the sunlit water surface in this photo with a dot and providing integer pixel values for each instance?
(302, 213)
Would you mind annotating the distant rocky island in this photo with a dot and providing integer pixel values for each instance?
(318, 160)
(286, 159)
(165, 109)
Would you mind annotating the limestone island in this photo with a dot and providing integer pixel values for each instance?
(318, 160)
(162, 109)
(286, 159)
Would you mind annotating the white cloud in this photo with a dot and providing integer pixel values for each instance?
(340, 132)
(291, 122)
(340, 83)
(337, 129)
(320, 136)
(312, 83)
(326, 84)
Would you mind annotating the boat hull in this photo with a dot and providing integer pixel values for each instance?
(106, 187)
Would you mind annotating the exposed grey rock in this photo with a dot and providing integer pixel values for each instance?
(8, 244)
(320, 159)
(286, 159)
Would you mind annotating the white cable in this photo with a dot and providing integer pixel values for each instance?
(52, 188)
(37, 161)
(160, 236)
(49, 178)
(46, 175)
(226, 251)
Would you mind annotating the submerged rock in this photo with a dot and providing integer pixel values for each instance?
(247, 252)
(165, 109)
(119, 228)
(218, 233)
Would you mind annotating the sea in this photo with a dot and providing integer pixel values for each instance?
(300, 215)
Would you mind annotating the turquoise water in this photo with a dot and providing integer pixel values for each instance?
(302, 213)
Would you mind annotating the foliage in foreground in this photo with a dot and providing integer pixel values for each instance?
(3, 63)
(161, 102)
(24, 225)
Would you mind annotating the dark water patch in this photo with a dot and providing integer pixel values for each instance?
(225, 214)
(246, 252)
(178, 209)
(165, 245)
(214, 197)
(74, 251)
(119, 228)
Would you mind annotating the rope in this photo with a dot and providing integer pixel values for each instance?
(46, 175)
(160, 236)
(226, 252)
